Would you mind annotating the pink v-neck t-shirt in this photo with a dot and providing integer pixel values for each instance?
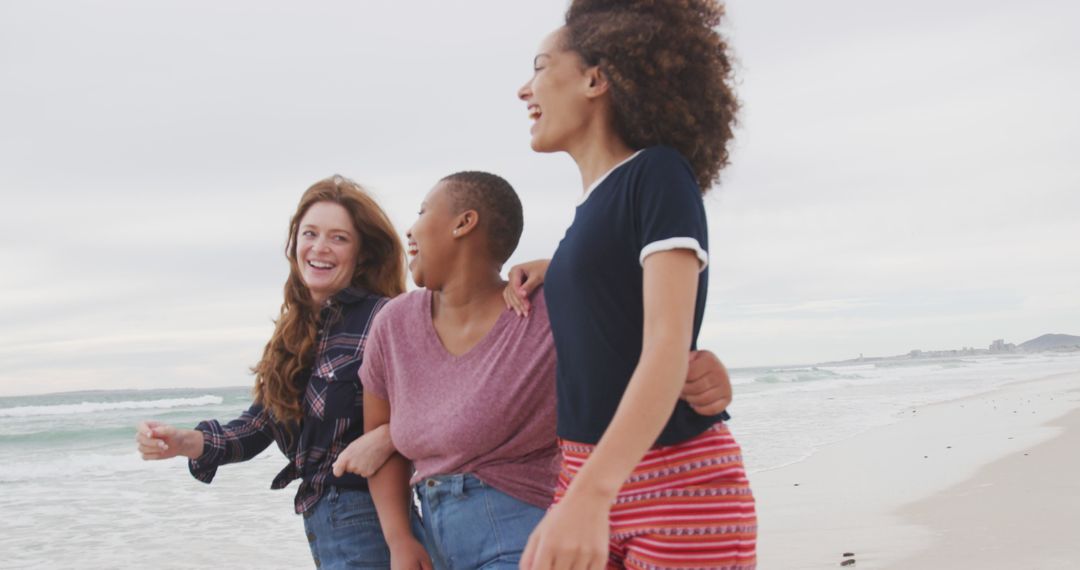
(489, 411)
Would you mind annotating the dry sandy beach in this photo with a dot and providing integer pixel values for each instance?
(988, 481)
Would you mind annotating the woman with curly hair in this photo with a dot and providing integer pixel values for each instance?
(638, 93)
(345, 262)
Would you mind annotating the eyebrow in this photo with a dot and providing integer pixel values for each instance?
(329, 230)
(538, 56)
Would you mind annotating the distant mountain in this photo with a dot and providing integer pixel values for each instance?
(1051, 342)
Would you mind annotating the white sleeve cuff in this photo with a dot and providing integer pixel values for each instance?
(676, 243)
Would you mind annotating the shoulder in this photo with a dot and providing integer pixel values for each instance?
(661, 155)
(400, 308)
(664, 169)
(357, 309)
(539, 301)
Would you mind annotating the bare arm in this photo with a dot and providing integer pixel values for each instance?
(524, 278)
(708, 386)
(157, 440)
(389, 488)
(366, 454)
(574, 534)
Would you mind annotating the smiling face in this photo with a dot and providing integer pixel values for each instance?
(559, 95)
(431, 237)
(327, 249)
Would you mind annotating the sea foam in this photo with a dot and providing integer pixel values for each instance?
(94, 407)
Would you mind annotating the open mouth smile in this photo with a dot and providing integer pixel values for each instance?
(320, 265)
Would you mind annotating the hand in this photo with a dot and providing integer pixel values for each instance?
(409, 554)
(366, 454)
(708, 386)
(571, 535)
(160, 441)
(524, 279)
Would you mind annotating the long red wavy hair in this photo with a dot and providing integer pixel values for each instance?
(380, 269)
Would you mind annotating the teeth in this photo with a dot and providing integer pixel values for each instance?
(320, 265)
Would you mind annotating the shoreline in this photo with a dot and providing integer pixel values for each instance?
(1021, 511)
(849, 496)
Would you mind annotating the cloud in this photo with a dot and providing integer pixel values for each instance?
(903, 176)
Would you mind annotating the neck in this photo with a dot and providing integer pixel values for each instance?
(472, 288)
(597, 151)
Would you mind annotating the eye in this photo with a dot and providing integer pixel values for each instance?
(307, 233)
(342, 239)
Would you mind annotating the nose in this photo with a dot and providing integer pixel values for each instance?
(525, 92)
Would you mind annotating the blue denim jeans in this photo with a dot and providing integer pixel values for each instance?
(470, 525)
(343, 532)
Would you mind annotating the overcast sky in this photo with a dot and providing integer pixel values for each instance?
(905, 174)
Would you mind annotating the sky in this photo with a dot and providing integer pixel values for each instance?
(904, 176)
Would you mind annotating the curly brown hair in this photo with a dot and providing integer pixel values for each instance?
(380, 269)
(669, 73)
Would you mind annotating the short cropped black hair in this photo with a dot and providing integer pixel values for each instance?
(496, 202)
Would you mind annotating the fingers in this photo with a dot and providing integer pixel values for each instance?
(152, 448)
(367, 470)
(162, 431)
(529, 553)
(514, 302)
(517, 276)
(345, 465)
(147, 439)
(703, 362)
(149, 443)
(146, 427)
(711, 407)
(708, 386)
(535, 279)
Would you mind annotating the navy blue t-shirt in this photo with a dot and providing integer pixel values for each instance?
(593, 287)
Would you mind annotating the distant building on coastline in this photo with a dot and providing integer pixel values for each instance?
(1000, 345)
(1046, 342)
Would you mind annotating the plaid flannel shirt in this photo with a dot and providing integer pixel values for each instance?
(333, 410)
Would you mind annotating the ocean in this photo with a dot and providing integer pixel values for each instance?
(75, 494)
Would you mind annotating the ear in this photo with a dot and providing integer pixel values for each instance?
(597, 82)
(465, 223)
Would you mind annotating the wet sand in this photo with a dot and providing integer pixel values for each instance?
(946, 486)
(1022, 511)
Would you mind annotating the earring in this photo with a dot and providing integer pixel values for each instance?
(455, 232)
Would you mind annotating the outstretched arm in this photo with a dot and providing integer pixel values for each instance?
(210, 444)
(157, 440)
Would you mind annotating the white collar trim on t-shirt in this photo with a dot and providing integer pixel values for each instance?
(603, 176)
